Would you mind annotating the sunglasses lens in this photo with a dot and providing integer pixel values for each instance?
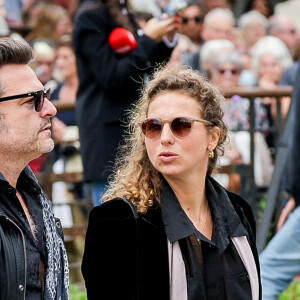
(40, 98)
(151, 128)
(232, 71)
(185, 20)
(38, 101)
(181, 126)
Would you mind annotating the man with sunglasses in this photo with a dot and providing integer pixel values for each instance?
(33, 258)
(191, 23)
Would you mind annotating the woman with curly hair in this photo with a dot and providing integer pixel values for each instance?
(167, 229)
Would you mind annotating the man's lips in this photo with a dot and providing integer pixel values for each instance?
(47, 127)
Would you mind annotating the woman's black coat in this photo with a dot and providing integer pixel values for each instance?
(121, 263)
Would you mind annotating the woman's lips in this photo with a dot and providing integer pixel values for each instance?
(167, 156)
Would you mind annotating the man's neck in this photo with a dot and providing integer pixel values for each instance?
(11, 170)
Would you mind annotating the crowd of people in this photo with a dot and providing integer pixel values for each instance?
(129, 68)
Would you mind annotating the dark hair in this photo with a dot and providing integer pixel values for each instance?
(248, 6)
(14, 52)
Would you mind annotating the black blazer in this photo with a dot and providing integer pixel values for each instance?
(118, 265)
(108, 84)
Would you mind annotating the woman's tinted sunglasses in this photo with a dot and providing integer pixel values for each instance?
(180, 126)
(37, 96)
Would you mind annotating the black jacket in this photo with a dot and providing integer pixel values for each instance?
(12, 260)
(121, 263)
(108, 84)
(13, 265)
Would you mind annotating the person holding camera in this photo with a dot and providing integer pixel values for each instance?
(113, 57)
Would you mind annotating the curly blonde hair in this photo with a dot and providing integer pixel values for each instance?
(134, 176)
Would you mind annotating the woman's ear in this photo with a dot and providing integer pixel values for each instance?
(215, 133)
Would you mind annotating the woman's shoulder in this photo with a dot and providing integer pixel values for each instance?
(239, 202)
(115, 208)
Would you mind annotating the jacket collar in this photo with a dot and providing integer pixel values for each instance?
(27, 172)
(226, 221)
(26, 177)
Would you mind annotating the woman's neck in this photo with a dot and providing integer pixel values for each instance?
(190, 193)
(192, 198)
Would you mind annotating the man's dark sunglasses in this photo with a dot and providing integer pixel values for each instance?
(197, 20)
(37, 96)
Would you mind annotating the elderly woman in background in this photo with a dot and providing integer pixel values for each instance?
(210, 51)
(226, 72)
(255, 26)
(270, 58)
(167, 229)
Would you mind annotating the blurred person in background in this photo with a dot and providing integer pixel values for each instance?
(270, 58)
(190, 30)
(43, 65)
(191, 23)
(255, 26)
(66, 89)
(265, 7)
(280, 260)
(240, 42)
(212, 4)
(289, 75)
(285, 29)
(31, 12)
(226, 70)
(217, 24)
(14, 10)
(210, 51)
(110, 77)
(52, 22)
(66, 153)
(45, 52)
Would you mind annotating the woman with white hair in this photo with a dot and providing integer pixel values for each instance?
(226, 71)
(255, 26)
(270, 58)
(210, 51)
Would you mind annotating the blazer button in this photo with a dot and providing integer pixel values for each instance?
(21, 287)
